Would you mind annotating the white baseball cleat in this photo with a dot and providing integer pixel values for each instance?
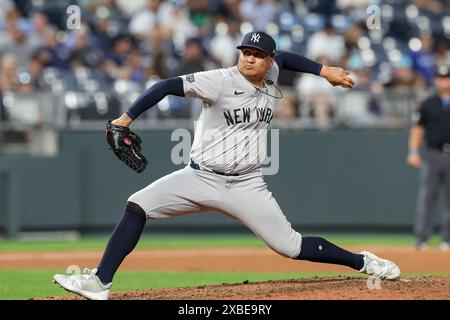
(378, 267)
(87, 284)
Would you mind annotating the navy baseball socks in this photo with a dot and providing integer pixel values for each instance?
(317, 249)
(129, 229)
(123, 240)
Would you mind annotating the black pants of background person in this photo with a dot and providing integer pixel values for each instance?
(434, 178)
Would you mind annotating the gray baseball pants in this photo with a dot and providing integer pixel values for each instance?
(244, 198)
(434, 177)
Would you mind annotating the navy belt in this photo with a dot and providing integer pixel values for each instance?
(195, 166)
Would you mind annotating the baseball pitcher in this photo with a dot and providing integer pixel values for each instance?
(224, 173)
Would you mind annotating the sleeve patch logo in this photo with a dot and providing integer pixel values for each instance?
(190, 78)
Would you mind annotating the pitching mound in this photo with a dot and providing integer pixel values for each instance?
(337, 288)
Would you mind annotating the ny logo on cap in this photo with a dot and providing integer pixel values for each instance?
(255, 37)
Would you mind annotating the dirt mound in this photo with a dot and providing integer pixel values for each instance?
(336, 288)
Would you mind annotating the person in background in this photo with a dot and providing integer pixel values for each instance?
(193, 60)
(433, 126)
(327, 43)
(318, 99)
(258, 12)
(424, 60)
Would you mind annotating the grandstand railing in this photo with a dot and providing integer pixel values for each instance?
(38, 116)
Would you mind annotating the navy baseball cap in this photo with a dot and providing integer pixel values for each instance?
(259, 40)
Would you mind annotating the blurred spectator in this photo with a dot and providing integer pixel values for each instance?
(52, 53)
(40, 26)
(156, 13)
(133, 68)
(200, 15)
(132, 41)
(403, 77)
(286, 107)
(223, 44)
(258, 12)
(130, 77)
(13, 78)
(364, 82)
(5, 7)
(179, 28)
(227, 9)
(424, 60)
(193, 59)
(121, 47)
(109, 8)
(129, 8)
(442, 53)
(360, 106)
(159, 51)
(83, 52)
(402, 91)
(23, 110)
(318, 98)
(34, 69)
(56, 11)
(326, 43)
(352, 35)
(10, 15)
(433, 6)
(103, 34)
(16, 42)
(353, 4)
(8, 73)
(322, 7)
(357, 9)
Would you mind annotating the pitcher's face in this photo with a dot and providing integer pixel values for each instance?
(254, 64)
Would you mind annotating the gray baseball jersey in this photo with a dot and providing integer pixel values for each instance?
(230, 137)
(231, 132)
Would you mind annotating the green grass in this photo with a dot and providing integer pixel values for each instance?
(26, 284)
(200, 241)
(164, 241)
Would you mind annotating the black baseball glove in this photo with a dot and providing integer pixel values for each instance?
(126, 145)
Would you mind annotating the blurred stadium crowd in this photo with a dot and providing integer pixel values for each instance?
(51, 73)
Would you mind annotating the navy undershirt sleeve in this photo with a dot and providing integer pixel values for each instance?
(294, 62)
(155, 94)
